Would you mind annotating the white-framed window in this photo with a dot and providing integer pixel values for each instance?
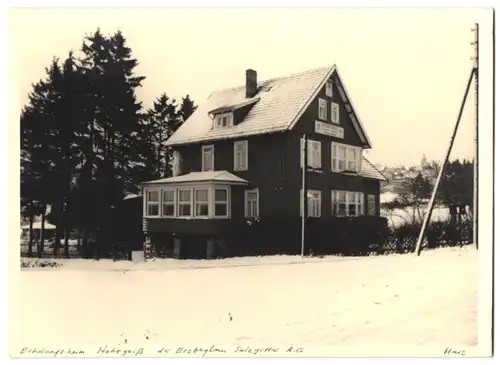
(221, 202)
(241, 156)
(153, 203)
(329, 88)
(168, 202)
(372, 210)
(207, 158)
(223, 120)
(338, 203)
(347, 203)
(201, 202)
(185, 202)
(251, 203)
(345, 158)
(313, 153)
(351, 203)
(334, 113)
(322, 109)
(313, 203)
(352, 161)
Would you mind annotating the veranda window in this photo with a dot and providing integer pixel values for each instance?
(169, 203)
(153, 203)
(201, 201)
(185, 202)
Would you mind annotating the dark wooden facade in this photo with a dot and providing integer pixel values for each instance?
(274, 167)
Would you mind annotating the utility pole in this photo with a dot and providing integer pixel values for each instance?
(430, 207)
(475, 209)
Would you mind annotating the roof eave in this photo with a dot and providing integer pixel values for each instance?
(198, 181)
(368, 143)
(221, 138)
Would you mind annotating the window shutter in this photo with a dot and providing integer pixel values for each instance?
(302, 152)
(310, 151)
(360, 159)
(334, 159)
(362, 203)
(176, 168)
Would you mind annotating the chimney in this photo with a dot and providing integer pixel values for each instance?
(251, 84)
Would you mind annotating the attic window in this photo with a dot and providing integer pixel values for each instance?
(223, 120)
(335, 113)
(329, 88)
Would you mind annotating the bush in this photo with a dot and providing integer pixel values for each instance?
(38, 263)
(438, 234)
(354, 236)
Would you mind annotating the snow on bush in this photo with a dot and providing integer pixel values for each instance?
(39, 263)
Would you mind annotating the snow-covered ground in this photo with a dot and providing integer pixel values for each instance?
(399, 216)
(396, 300)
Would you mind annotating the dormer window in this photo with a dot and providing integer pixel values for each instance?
(223, 120)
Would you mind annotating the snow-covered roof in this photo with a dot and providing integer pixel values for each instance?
(369, 171)
(203, 176)
(280, 104)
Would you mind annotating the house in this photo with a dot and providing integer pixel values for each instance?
(238, 159)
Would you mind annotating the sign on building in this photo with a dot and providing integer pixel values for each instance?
(329, 129)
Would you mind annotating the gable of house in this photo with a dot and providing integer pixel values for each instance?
(328, 118)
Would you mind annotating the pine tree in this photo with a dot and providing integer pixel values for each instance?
(457, 184)
(30, 180)
(187, 108)
(114, 124)
(162, 120)
(85, 140)
(38, 150)
(87, 199)
(67, 124)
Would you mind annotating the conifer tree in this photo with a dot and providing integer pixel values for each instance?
(114, 124)
(187, 108)
(162, 120)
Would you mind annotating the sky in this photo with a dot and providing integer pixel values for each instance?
(405, 69)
